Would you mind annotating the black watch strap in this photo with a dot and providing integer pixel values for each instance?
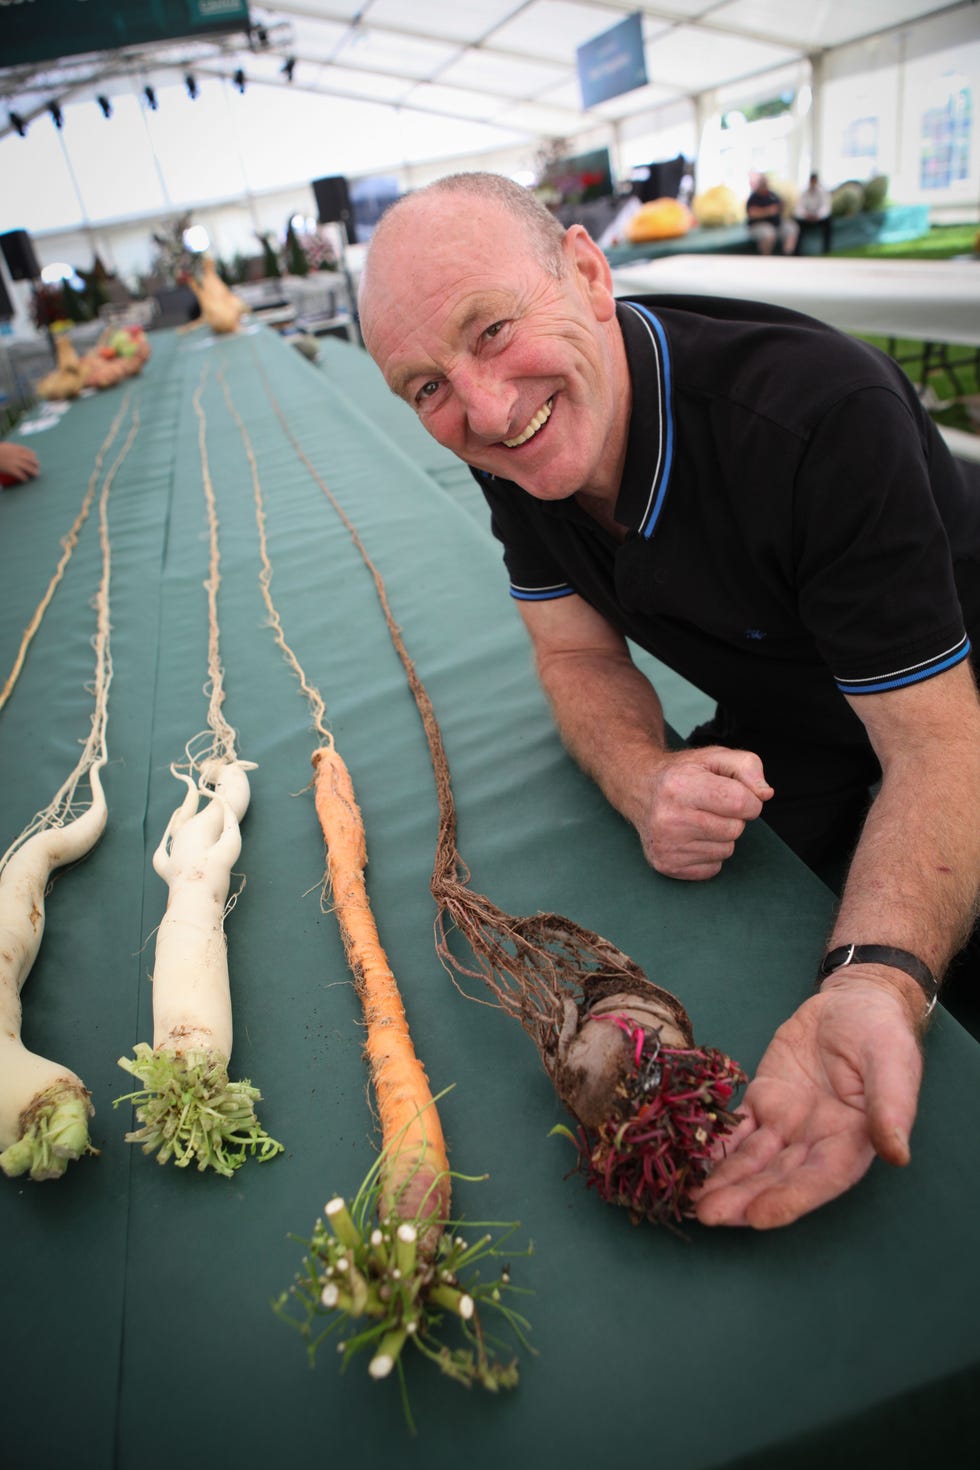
(881, 954)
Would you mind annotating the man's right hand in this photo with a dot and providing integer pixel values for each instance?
(699, 804)
(689, 806)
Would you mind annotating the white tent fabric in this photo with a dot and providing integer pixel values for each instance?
(395, 87)
(399, 81)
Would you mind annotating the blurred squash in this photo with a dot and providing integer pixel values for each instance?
(717, 206)
(221, 309)
(847, 199)
(67, 379)
(99, 371)
(876, 192)
(661, 219)
(119, 353)
(786, 191)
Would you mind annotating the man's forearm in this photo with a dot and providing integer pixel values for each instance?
(610, 720)
(689, 807)
(913, 882)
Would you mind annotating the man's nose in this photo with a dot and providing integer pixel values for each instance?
(488, 402)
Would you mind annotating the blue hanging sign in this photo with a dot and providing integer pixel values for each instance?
(613, 62)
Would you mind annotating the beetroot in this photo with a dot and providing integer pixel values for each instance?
(650, 1105)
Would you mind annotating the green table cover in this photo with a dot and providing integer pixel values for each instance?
(137, 1326)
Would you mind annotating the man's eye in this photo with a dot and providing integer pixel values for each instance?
(494, 329)
(426, 390)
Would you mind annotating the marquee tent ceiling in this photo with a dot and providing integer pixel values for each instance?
(503, 70)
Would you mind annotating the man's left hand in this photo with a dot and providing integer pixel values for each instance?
(837, 1085)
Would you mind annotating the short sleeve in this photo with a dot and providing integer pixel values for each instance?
(535, 575)
(873, 566)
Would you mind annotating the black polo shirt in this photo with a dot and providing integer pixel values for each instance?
(793, 521)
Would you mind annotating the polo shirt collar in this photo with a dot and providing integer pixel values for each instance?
(651, 434)
(650, 446)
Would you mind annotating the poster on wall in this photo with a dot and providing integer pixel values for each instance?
(944, 149)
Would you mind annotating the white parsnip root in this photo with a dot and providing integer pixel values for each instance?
(192, 995)
(188, 1108)
(44, 1107)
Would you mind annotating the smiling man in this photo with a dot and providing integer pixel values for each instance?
(761, 503)
(544, 421)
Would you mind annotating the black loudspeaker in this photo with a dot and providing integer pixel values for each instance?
(663, 182)
(18, 252)
(6, 305)
(333, 204)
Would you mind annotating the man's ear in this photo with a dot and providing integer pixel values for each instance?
(585, 260)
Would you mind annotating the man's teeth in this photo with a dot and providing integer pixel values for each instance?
(541, 417)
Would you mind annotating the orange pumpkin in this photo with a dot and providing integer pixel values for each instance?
(661, 219)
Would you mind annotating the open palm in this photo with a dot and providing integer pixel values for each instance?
(837, 1085)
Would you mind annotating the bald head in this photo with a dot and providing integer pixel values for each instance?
(498, 327)
(423, 208)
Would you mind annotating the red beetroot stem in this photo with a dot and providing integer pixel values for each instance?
(652, 1157)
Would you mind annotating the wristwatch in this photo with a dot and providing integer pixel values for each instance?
(882, 954)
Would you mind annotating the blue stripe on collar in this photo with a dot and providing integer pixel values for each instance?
(664, 389)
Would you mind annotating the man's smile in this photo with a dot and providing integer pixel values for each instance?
(540, 419)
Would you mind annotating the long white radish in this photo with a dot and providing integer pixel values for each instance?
(44, 1107)
(191, 990)
(189, 1109)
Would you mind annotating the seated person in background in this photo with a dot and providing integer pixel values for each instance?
(761, 502)
(17, 464)
(813, 212)
(764, 210)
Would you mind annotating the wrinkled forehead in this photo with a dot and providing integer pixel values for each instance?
(435, 235)
(434, 258)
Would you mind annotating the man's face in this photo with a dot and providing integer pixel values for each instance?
(516, 371)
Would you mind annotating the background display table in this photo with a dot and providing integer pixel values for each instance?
(928, 300)
(138, 1332)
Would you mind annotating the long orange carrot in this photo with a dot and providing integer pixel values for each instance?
(392, 1258)
(415, 1181)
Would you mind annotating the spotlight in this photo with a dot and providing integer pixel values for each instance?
(151, 98)
(288, 67)
(196, 239)
(191, 86)
(239, 80)
(106, 106)
(18, 124)
(56, 114)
